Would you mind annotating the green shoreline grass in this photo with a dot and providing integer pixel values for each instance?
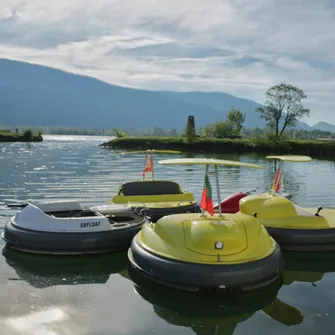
(14, 137)
(297, 147)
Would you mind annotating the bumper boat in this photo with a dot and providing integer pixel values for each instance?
(197, 251)
(295, 228)
(162, 197)
(41, 271)
(231, 204)
(65, 227)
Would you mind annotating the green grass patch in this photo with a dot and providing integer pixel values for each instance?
(26, 136)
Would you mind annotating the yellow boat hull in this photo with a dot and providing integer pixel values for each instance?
(292, 226)
(192, 250)
(159, 204)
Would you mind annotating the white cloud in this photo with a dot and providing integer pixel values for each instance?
(241, 47)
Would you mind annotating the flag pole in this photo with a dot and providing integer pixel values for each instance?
(152, 167)
(206, 173)
(218, 188)
(280, 173)
(145, 163)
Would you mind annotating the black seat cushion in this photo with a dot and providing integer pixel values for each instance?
(150, 188)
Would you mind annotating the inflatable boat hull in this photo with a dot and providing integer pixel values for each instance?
(304, 239)
(195, 276)
(68, 243)
(65, 227)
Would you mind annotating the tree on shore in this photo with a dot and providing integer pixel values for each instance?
(235, 120)
(230, 128)
(283, 105)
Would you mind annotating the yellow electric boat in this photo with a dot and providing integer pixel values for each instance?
(157, 197)
(195, 251)
(295, 228)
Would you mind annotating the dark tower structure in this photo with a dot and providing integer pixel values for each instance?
(190, 126)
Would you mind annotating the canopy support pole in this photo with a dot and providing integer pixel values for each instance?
(282, 173)
(218, 188)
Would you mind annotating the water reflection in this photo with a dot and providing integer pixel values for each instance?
(221, 314)
(67, 295)
(45, 271)
(190, 154)
(308, 267)
(207, 313)
(76, 168)
(214, 313)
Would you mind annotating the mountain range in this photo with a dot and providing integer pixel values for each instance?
(324, 126)
(35, 95)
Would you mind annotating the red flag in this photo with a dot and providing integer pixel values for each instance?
(206, 199)
(276, 185)
(148, 166)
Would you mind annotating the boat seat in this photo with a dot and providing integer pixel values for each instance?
(302, 211)
(157, 187)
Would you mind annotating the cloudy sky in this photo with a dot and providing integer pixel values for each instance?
(240, 47)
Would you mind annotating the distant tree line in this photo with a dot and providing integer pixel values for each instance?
(290, 134)
(54, 130)
(207, 131)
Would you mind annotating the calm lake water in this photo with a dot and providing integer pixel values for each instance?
(95, 296)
